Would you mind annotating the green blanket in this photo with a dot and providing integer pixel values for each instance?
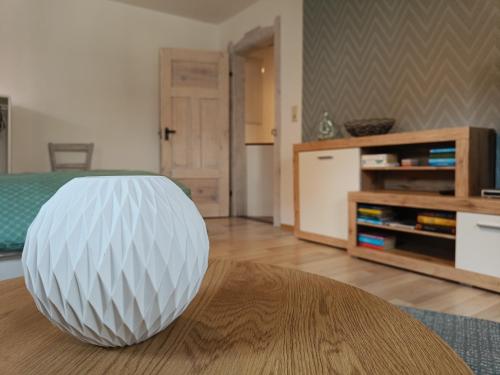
(22, 196)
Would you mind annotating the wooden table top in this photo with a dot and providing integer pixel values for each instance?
(247, 318)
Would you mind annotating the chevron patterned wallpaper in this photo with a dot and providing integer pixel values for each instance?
(427, 63)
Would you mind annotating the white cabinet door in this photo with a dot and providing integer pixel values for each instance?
(478, 243)
(325, 178)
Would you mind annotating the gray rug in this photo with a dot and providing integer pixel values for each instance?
(477, 341)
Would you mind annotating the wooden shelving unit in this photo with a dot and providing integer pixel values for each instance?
(409, 190)
(426, 260)
(473, 169)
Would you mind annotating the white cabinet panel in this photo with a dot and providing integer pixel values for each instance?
(325, 178)
(478, 243)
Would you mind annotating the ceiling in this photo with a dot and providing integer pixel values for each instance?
(213, 11)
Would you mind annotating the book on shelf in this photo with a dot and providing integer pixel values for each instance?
(436, 228)
(380, 164)
(413, 162)
(373, 236)
(375, 211)
(433, 220)
(378, 242)
(379, 160)
(371, 241)
(388, 158)
(442, 162)
(448, 215)
(402, 225)
(442, 156)
(375, 247)
(371, 220)
(443, 150)
(377, 215)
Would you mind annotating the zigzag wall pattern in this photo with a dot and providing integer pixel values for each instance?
(427, 63)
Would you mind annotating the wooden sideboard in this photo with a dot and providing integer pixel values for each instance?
(471, 256)
(325, 172)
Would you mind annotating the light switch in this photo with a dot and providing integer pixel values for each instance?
(295, 113)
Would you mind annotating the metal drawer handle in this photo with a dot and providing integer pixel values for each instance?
(326, 157)
(489, 225)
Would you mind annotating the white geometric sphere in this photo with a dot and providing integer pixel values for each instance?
(115, 260)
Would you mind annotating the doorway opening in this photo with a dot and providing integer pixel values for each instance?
(255, 123)
(259, 130)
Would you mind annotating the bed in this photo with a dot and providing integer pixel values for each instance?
(22, 195)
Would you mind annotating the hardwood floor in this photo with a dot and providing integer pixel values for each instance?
(248, 240)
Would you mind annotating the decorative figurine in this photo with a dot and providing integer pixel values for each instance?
(327, 128)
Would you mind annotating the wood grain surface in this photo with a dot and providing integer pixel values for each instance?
(247, 319)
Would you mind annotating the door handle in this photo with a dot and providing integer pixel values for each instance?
(168, 132)
(489, 225)
(326, 157)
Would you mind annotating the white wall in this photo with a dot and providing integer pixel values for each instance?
(87, 71)
(259, 180)
(263, 14)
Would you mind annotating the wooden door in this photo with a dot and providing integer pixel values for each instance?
(195, 105)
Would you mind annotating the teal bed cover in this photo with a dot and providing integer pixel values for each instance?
(22, 196)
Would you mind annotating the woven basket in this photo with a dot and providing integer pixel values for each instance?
(375, 126)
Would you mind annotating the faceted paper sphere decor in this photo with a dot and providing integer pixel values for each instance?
(114, 260)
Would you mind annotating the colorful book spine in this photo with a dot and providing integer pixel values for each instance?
(370, 220)
(363, 244)
(436, 228)
(396, 224)
(376, 241)
(380, 164)
(442, 162)
(372, 241)
(429, 220)
(448, 215)
(373, 236)
(388, 158)
(370, 211)
(442, 156)
(379, 160)
(412, 162)
(444, 150)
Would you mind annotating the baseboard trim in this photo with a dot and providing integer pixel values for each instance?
(287, 227)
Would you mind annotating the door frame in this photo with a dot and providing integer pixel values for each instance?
(198, 175)
(255, 38)
(9, 133)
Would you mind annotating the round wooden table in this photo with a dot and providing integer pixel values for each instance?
(247, 319)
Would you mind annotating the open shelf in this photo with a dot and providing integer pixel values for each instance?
(405, 168)
(398, 255)
(423, 177)
(416, 249)
(411, 231)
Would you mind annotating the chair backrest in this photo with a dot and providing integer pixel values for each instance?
(87, 148)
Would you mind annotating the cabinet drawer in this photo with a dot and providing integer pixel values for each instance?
(325, 178)
(478, 243)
